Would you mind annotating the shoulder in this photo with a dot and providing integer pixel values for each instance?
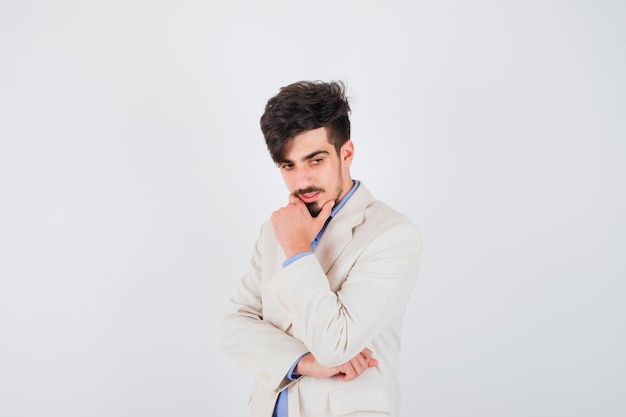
(385, 220)
(379, 221)
(385, 214)
(379, 212)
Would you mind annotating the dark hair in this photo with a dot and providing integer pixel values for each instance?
(303, 106)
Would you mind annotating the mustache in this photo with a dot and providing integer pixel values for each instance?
(308, 190)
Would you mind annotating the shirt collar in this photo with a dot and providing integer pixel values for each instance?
(345, 198)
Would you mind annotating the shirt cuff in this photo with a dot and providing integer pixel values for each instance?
(295, 257)
(291, 374)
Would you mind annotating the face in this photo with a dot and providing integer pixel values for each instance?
(314, 172)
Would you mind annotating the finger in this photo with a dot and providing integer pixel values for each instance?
(328, 208)
(366, 353)
(294, 199)
(359, 363)
(369, 357)
(324, 214)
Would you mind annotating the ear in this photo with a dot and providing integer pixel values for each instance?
(346, 153)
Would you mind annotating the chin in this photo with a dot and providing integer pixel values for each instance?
(314, 208)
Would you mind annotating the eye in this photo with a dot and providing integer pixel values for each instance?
(286, 166)
(316, 161)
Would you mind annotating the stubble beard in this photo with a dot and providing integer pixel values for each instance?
(315, 208)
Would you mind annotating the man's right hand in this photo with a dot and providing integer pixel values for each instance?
(308, 366)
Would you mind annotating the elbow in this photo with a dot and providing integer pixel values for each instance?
(228, 333)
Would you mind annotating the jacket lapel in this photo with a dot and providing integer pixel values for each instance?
(339, 231)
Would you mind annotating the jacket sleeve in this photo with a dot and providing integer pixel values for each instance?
(263, 350)
(338, 325)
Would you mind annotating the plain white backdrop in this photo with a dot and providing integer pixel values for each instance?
(134, 179)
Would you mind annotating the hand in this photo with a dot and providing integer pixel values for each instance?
(308, 366)
(357, 365)
(294, 226)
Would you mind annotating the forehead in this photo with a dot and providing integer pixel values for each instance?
(306, 143)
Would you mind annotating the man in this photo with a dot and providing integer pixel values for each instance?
(317, 318)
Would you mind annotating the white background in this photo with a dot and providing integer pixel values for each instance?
(134, 179)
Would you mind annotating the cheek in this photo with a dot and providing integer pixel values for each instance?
(328, 182)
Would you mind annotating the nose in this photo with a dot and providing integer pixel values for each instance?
(303, 177)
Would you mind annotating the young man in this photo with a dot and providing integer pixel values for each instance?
(317, 317)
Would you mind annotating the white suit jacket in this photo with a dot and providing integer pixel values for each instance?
(349, 295)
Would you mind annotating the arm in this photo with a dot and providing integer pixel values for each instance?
(266, 351)
(339, 325)
(263, 350)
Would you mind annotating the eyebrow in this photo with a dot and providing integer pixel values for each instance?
(306, 157)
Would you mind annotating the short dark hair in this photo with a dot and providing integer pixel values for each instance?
(303, 106)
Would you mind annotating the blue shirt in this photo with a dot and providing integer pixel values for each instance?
(281, 403)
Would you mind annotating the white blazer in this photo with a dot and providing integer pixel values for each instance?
(351, 294)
